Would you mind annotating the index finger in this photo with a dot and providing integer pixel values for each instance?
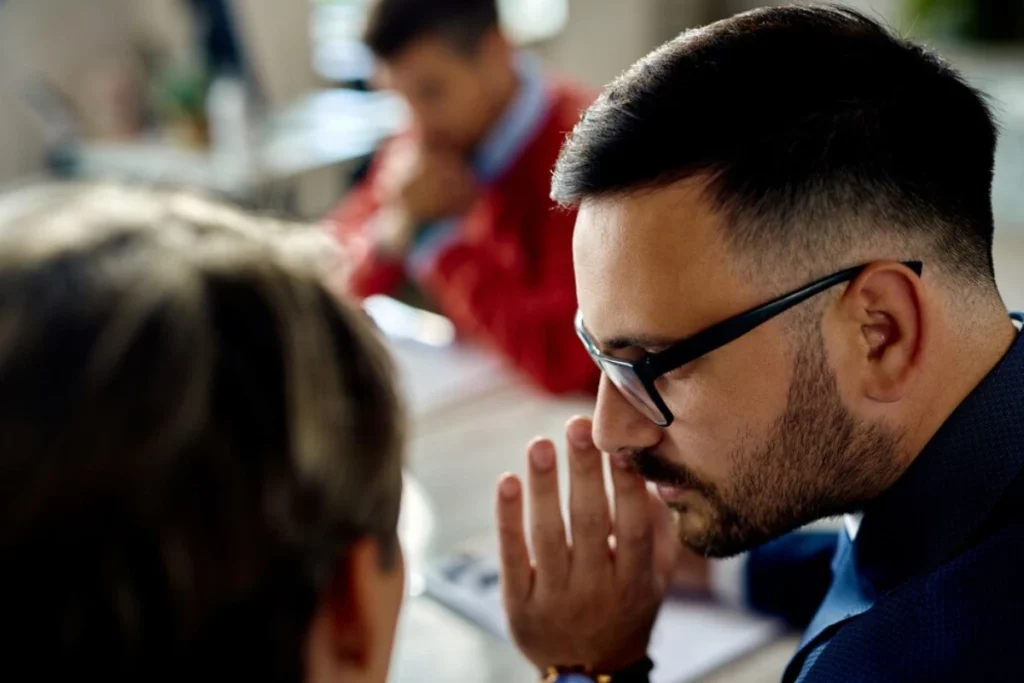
(634, 522)
(588, 501)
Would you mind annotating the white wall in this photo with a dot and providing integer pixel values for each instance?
(21, 140)
(604, 37)
(275, 36)
(77, 47)
(889, 11)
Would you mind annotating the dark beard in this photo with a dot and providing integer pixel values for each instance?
(816, 462)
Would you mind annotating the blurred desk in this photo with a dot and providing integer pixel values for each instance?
(326, 129)
(455, 458)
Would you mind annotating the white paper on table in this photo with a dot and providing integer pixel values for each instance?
(434, 378)
(690, 640)
(434, 370)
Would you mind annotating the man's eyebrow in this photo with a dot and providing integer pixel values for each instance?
(640, 341)
(633, 341)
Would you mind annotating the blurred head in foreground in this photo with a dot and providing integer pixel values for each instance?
(450, 62)
(201, 449)
(743, 162)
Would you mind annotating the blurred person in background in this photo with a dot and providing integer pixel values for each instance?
(784, 264)
(458, 208)
(202, 450)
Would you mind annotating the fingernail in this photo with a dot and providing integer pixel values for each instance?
(508, 488)
(542, 456)
(621, 461)
(580, 434)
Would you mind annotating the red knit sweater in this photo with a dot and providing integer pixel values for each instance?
(506, 280)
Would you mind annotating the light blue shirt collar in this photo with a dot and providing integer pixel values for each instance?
(518, 124)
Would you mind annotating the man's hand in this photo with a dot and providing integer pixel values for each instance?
(426, 184)
(691, 574)
(593, 602)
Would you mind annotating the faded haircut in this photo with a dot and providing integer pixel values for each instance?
(820, 134)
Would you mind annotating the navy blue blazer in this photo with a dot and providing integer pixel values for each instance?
(938, 561)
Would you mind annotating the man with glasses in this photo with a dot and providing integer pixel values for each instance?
(784, 272)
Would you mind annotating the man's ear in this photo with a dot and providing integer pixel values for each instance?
(341, 637)
(883, 323)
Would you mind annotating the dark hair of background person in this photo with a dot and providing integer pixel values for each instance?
(393, 25)
(193, 431)
(819, 132)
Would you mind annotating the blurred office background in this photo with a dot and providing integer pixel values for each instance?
(264, 100)
(267, 102)
(260, 99)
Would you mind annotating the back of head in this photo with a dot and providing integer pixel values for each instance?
(193, 432)
(821, 136)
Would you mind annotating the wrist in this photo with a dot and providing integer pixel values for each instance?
(393, 231)
(638, 672)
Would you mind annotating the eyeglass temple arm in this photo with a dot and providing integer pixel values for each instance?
(733, 328)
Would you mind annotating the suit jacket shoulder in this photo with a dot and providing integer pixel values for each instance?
(962, 622)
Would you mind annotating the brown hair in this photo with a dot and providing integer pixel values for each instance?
(394, 25)
(812, 162)
(192, 431)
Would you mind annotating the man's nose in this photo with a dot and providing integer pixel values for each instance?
(618, 426)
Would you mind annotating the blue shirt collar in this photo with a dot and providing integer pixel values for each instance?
(518, 124)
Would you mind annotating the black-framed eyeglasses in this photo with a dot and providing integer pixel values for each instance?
(635, 378)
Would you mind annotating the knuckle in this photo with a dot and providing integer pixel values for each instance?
(549, 528)
(508, 535)
(590, 523)
(635, 535)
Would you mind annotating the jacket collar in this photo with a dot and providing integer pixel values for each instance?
(953, 485)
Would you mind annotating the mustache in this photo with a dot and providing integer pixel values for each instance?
(660, 470)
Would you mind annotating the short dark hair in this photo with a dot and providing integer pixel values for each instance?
(194, 431)
(801, 118)
(393, 25)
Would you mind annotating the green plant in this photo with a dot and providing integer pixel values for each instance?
(975, 20)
